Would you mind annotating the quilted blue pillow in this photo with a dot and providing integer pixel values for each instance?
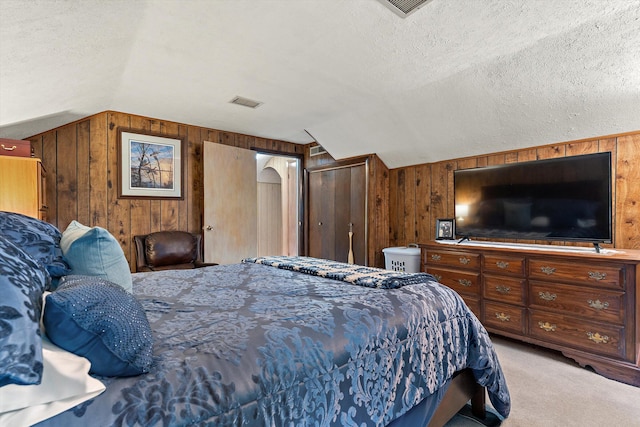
(93, 251)
(22, 283)
(38, 239)
(99, 320)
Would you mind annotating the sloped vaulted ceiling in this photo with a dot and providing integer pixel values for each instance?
(455, 78)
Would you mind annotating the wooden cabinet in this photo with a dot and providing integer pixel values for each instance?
(23, 186)
(583, 303)
(336, 206)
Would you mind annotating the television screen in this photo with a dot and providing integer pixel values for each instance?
(567, 198)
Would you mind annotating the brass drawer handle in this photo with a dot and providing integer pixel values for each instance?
(549, 327)
(598, 305)
(465, 282)
(503, 289)
(548, 270)
(9, 148)
(438, 277)
(502, 264)
(547, 296)
(503, 317)
(596, 275)
(464, 260)
(436, 257)
(597, 338)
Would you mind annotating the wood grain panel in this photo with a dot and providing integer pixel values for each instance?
(66, 177)
(627, 202)
(82, 171)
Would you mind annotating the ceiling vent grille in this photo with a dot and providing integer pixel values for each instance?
(316, 150)
(245, 102)
(404, 8)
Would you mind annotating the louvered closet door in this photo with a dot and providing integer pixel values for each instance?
(337, 198)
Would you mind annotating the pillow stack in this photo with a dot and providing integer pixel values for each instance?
(90, 313)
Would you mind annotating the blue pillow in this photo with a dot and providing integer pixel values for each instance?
(99, 320)
(38, 239)
(93, 251)
(22, 283)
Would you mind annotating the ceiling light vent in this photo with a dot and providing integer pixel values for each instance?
(245, 102)
(316, 150)
(404, 8)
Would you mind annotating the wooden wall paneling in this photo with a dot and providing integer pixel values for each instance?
(627, 204)
(50, 163)
(551, 151)
(227, 138)
(423, 208)
(409, 217)
(183, 223)
(394, 192)
(66, 176)
(170, 209)
(195, 179)
(441, 193)
(82, 171)
(119, 213)
(401, 208)
(527, 155)
(98, 166)
(377, 211)
(140, 210)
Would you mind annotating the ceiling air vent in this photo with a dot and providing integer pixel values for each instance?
(316, 150)
(245, 102)
(404, 8)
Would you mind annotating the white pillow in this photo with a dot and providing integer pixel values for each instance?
(65, 383)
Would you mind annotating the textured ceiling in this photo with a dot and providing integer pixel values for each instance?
(456, 78)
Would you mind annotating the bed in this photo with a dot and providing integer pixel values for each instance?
(295, 341)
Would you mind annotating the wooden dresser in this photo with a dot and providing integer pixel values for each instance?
(23, 186)
(583, 303)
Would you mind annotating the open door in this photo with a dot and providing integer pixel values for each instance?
(230, 203)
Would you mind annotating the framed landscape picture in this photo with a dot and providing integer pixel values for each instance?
(150, 165)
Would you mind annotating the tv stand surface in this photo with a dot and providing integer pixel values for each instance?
(575, 300)
(466, 241)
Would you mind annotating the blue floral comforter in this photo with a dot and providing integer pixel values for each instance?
(253, 345)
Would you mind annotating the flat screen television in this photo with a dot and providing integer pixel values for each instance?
(567, 198)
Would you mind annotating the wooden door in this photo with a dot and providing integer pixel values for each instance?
(230, 203)
(336, 200)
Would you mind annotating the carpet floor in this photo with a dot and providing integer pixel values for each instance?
(549, 390)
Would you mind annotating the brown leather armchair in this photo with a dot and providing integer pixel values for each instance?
(168, 250)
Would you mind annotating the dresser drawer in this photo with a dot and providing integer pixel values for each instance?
(503, 265)
(15, 147)
(577, 333)
(596, 304)
(504, 317)
(473, 303)
(504, 289)
(465, 260)
(463, 282)
(596, 274)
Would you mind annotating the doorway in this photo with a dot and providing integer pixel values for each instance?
(252, 204)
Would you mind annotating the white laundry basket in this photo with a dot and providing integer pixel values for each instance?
(402, 258)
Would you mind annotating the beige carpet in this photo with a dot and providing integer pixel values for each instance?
(548, 389)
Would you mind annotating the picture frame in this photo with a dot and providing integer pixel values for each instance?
(150, 165)
(445, 229)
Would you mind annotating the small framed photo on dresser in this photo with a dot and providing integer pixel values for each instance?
(445, 229)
